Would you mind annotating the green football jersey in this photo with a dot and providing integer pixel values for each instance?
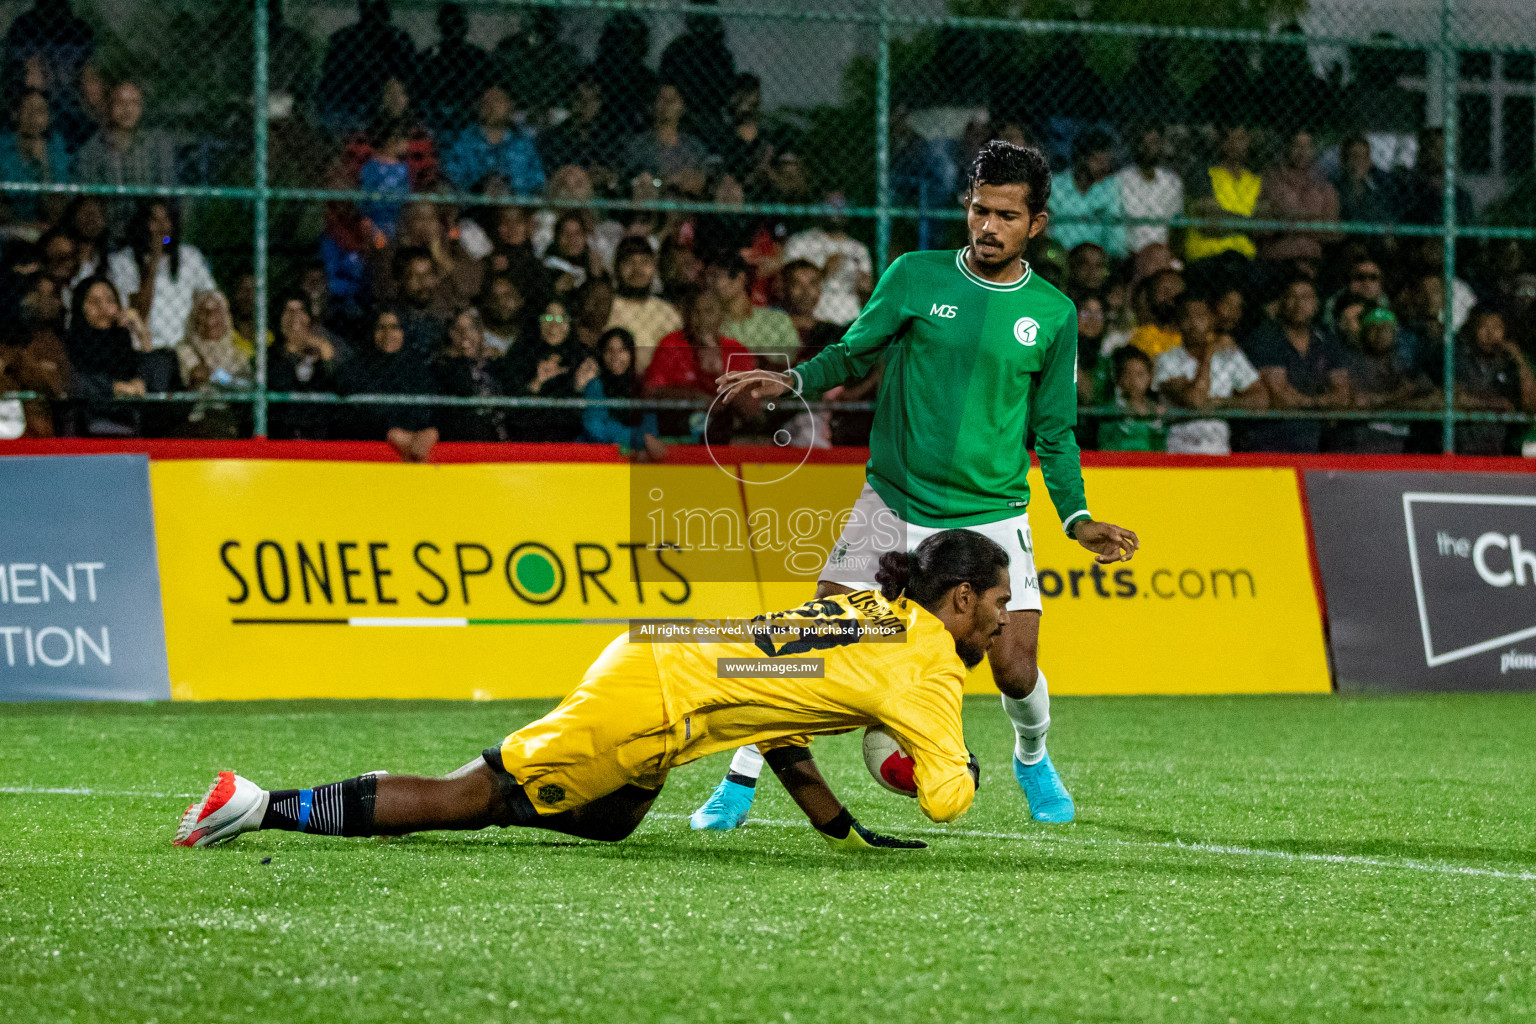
(972, 367)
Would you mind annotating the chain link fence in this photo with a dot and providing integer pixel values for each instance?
(505, 220)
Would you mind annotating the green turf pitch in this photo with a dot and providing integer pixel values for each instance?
(1235, 859)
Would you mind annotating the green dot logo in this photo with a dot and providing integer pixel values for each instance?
(535, 573)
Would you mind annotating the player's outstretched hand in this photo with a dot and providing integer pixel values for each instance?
(1110, 543)
(859, 839)
(753, 383)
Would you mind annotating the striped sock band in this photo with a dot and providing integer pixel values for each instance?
(336, 809)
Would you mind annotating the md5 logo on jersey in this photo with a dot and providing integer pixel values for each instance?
(1473, 558)
(947, 312)
(1025, 330)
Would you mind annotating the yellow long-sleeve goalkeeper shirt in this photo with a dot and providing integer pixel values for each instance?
(910, 683)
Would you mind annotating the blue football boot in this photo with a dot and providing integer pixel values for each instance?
(1048, 798)
(727, 807)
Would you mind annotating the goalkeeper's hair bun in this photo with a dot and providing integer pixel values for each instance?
(894, 573)
(941, 563)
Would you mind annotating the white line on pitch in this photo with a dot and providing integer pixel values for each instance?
(1354, 860)
(69, 791)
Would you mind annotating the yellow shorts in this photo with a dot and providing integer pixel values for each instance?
(612, 731)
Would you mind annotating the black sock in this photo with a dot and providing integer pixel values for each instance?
(338, 809)
(741, 780)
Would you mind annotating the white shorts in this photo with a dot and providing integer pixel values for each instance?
(873, 528)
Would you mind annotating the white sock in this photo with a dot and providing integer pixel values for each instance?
(1031, 719)
(747, 761)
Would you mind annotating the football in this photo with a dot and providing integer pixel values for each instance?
(887, 762)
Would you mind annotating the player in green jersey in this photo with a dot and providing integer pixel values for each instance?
(979, 351)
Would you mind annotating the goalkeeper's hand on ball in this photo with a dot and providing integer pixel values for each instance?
(844, 834)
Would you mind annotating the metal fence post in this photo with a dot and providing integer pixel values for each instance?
(259, 256)
(883, 141)
(1449, 74)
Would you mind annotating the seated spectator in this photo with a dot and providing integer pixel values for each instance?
(1227, 191)
(47, 47)
(922, 172)
(468, 369)
(85, 221)
(679, 268)
(305, 359)
(1366, 193)
(1382, 378)
(503, 319)
(33, 355)
(801, 284)
(242, 310)
(666, 152)
(586, 138)
(1295, 191)
(1133, 382)
(1229, 309)
(1491, 376)
(543, 65)
(347, 245)
(457, 69)
(1158, 329)
(61, 268)
(211, 362)
(32, 153)
(458, 275)
(1302, 368)
(124, 152)
(1090, 349)
(494, 148)
(104, 342)
(1202, 373)
(1362, 285)
(159, 274)
(1421, 190)
(550, 367)
(746, 155)
(644, 315)
(847, 273)
(386, 171)
(702, 67)
(359, 59)
(570, 262)
(391, 367)
(207, 352)
(1085, 201)
(768, 334)
(634, 429)
(421, 307)
(1149, 190)
(395, 114)
(688, 361)
(620, 66)
(1087, 269)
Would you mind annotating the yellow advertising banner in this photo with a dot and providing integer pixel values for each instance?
(316, 579)
(1219, 599)
(310, 579)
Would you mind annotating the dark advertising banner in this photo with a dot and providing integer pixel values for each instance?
(79, 584)
(1430, 578)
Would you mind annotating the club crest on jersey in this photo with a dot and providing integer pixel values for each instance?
(1025, 330)
(947, 312)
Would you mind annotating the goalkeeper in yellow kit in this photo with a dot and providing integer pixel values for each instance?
(593, 766)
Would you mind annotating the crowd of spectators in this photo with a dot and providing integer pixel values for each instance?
(1294, 319)
(536, 292)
